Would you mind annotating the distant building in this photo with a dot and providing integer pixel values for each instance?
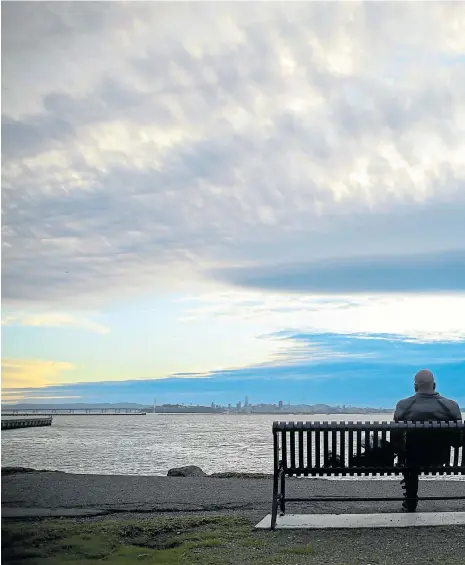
(213, 405)
(246, 402)
(280, 404)
(239, 405)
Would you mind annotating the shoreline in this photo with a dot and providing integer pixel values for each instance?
(7, 471)
(50, 493)
(233, 475)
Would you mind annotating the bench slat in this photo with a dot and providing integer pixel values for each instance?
(317, 449)
(359, 443)
(350, 449)
(334, 446)
(366, 440)
(325, 443)
(384, 434)
(284, 449)
(301, 444)
(292, 447)
(309, 448)
(456, 458)
(342, 448)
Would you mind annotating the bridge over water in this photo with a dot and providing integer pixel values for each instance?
(74, 412)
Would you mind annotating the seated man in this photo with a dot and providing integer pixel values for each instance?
(425, 447)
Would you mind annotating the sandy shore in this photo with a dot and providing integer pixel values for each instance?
(52, 493)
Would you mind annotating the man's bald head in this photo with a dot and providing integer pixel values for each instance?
(424, 381)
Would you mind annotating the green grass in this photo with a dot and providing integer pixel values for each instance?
(303, 550)
(187, 540)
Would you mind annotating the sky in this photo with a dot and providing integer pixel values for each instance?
(202, 201)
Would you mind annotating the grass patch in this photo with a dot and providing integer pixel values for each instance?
(253, 541)
(219, 540)
(192, 540)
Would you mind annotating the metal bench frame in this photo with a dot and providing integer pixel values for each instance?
(302, 448)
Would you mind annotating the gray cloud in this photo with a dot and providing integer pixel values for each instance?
(260, 143)
(438, 272)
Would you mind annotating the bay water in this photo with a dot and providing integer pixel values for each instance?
(154, 443)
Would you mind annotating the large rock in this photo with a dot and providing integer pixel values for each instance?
(188, 471)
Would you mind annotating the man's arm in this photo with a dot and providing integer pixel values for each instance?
(399, 413)
(457, 436)
(397, 435)
(456, 411)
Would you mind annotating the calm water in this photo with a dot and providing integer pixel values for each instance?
(152, 444)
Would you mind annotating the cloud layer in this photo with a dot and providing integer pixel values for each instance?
(164, 145)
(423, 317)
(438, 272)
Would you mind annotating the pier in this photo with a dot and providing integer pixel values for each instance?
(26, 423)
(75, 412)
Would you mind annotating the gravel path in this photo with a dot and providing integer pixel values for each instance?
(45, 493)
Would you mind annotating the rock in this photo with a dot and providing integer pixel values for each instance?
(188, 471)
(15, 470)
(238, 475)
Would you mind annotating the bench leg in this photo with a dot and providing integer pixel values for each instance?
(282, 499)
(274, 506)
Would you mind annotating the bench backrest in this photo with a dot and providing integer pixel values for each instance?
(336, 448)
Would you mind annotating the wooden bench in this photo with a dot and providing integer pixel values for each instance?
(335, 449)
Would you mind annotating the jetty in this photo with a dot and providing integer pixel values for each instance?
(75, 412)
(14, 423)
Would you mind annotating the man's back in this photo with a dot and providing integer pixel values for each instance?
(428, 447)
(425, 407)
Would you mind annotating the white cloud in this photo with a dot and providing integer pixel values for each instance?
(424, 317)
(161, 141)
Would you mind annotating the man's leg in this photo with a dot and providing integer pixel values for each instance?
(410, 486)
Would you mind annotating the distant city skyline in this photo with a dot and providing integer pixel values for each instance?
(259, 408)
(251, 202)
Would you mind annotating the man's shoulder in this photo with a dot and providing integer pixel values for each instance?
(445, 399)
(405, 401)
(449, 402)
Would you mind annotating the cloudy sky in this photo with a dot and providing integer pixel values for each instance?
(207, 200)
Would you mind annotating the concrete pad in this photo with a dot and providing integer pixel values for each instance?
(385, 520)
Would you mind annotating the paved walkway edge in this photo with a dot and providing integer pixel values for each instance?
(343, 521)
(50, 512)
